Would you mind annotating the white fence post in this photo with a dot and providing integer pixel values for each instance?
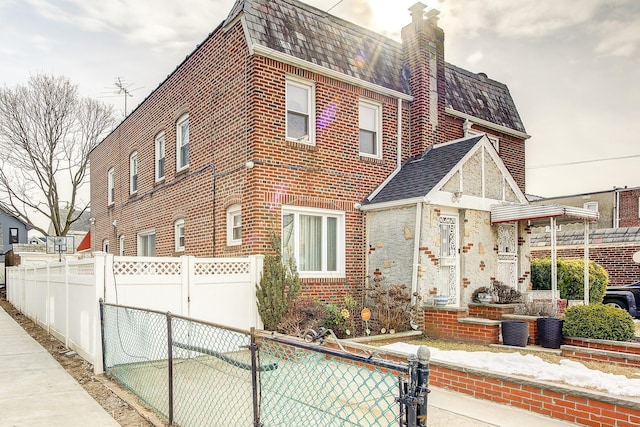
(256, 265)
(99, 287)
(188, 280)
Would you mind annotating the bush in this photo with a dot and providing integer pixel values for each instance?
(570, 278)
(278, 288)
(598, 321)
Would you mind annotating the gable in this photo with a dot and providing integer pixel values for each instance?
(463, 173)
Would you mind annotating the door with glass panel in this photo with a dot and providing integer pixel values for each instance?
(449, 262)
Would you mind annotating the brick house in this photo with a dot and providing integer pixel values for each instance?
(284, 120)
(613, 240)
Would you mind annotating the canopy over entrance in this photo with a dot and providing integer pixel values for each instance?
(552, 215)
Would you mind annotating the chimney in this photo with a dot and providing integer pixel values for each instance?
(423, 50)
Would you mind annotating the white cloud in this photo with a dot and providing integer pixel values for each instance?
(475, 57)
(620, 38)
(160, 23)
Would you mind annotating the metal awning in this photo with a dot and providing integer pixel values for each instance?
(541, 213)
(551, 214)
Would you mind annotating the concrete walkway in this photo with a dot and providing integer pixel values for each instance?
(35, 390)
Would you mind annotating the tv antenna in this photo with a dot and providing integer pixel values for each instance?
(125, 90)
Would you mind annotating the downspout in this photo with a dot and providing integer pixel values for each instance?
(616, 209)
(416, 252)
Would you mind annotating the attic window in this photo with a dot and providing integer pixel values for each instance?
(13, 236)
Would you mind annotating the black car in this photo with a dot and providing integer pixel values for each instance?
(626, 297)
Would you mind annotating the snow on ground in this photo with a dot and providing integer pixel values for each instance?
(568, 371)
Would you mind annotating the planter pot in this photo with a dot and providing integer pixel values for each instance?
(441, 300)
(549, 332)
(515, 333)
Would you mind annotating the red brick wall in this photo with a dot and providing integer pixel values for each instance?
(236, 107)
(617, 260)
(629, 215)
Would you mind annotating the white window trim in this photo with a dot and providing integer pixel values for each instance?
(121, 245)
(183, 118)
(105, 245)
(141, 234)
(340, 250)
(160, 139)
(377, 107)
(232, 211)
(177, 226)
(111, 185)
(309, 86)
(495, 141)
(591, 206)
(133, 172)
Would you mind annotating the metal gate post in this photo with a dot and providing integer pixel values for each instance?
(413, 393)
(424, 355)
(170, 366)
(254, 379)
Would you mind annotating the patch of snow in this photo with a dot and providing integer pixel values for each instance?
(568, 371)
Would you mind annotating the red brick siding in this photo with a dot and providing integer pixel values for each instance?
(617, 260)
(629, 215)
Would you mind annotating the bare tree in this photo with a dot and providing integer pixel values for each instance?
(46, 133)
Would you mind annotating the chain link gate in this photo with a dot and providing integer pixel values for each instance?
(196, 373)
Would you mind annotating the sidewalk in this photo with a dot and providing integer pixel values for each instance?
(35, 390)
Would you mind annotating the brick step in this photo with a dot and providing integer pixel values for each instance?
(599, 355)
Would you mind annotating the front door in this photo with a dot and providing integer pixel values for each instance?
(449, 264)
(508, 255)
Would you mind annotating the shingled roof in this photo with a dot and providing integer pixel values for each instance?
(418, 176)
(302, 31)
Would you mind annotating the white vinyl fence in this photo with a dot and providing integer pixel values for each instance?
(63, 297)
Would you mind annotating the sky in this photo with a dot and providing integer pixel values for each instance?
(567, 371)
(571, 67)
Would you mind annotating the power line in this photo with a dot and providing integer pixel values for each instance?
(581, 162)
(329, 10)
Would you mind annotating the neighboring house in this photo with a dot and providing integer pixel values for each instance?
(288, 121)
(612, 240)
(12, 231)
(78, 230)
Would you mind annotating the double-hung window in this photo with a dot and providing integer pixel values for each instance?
(147, 243)
(133, 173)
(160, 149)
(14, 237)
(111, 186)
(300, 111)
(234, 225)
(179, 235)
(315, 239)
(370, 129)
(182, 142)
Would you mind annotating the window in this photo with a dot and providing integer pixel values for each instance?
(13, 236)
(147, 243)
(179, 235)
(495, 141)
(369, 129)
(592, 206)
(234, 225)
(105, 245)
(160, 147)
(121, 245)
(111, 184)
(315, 239)
(182, 142)
(300, 111)
(133, 173)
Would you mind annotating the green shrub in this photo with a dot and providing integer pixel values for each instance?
(598, 321)
(570, 278)
(279, 286)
